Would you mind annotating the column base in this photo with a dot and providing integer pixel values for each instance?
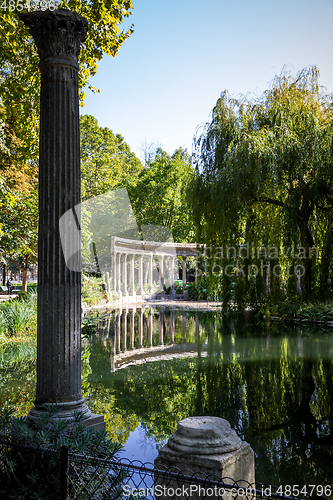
(95, 421)
(65, 411)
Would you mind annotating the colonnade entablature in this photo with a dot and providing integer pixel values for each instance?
(142, 270)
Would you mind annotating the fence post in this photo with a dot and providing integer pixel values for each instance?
(64, 469)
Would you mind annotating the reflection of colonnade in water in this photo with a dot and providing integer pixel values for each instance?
(140, 269)
(139, 332)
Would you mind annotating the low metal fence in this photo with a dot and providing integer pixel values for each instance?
(36, 473)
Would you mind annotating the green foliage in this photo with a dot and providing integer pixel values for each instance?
(19, 315)
(107, 162)
(316, 311)
(264, 178)
(92, 290)
(273, 383)
(19, 230)
(30, 472)
(178, 286)
(159, 195)
(20, 77)
(199, 291)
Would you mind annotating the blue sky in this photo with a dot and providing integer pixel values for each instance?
(168, 75)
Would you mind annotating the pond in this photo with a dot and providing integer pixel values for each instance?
(147, 368)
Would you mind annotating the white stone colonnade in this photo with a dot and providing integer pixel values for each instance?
(137, 265)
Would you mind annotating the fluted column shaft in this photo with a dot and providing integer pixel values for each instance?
(118, 285)
(140, 327)
(58, 36)
(172, 326)
(132, 289)
(161, 327)
(172, 276)
(132, 321)
(118, 328)
(124, 330)
(150, 327)
(184, 326)
(140, 289)
(124, 280)
(161, 271)
(114, 272)
(184, 273)
(150, 274)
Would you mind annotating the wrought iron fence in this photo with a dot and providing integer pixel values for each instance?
(27, 473)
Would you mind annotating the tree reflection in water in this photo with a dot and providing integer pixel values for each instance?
(273, 383)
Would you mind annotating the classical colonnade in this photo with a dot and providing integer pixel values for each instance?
(133, 331)
(140, 269)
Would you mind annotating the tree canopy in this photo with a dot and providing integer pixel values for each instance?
(265, 171)
(19, 230)
(20, 77)
(106, 159)
(159, 196)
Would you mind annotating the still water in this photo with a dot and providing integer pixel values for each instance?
(146, 369)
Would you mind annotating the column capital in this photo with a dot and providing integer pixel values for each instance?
(57, 35)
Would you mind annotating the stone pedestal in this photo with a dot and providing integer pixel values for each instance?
(58, 35)
(209, 445)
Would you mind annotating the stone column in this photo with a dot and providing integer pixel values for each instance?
(107, 283)
(124, 328)
(118, 327)
(172, 326)
(197, 323)
(172, 277)
(118, 285)
(140, 289)
(132, 319)
(113, 347)
(196, 272)
(114, 272)
(184, 273)
(124, 276)
(209, 445)
(161, 272)
(150, 274)
(150, 327)
(140, 327)
(184, 326)
(160, 327)
(132, 289)
(58, 36)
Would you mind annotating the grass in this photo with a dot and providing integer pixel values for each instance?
(18, 316)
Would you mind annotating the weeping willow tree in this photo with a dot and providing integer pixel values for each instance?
(264, 185)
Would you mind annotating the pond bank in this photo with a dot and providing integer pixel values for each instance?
(184, 304)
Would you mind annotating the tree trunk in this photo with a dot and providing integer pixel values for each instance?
(25, 273)
(24, 270)
(24, 280)
(4, 275)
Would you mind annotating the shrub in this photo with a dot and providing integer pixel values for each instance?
(92, 290)
(30, 457)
